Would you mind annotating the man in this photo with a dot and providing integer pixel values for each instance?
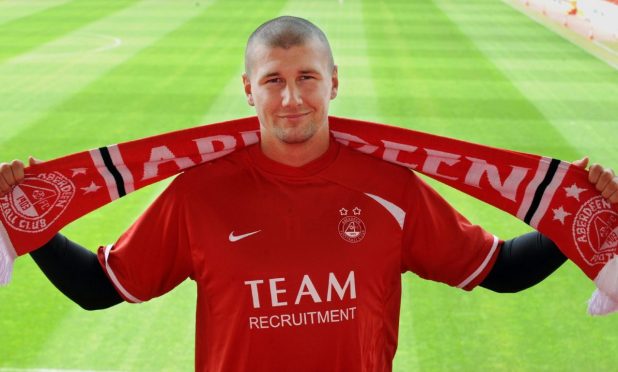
(297, 244)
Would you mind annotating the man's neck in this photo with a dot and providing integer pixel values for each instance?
(296, 154)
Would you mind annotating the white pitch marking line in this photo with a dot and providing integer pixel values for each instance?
(115, 43)
(609, 50)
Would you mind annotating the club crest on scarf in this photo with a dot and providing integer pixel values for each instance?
(593, 234)
(38, 202)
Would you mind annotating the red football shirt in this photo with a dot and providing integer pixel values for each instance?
(296, 268)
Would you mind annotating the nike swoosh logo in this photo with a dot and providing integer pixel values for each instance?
(234, 238)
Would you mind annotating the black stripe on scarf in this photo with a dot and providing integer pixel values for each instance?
(538, 194)
(107, 159)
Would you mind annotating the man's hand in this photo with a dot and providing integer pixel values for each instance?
(604, 179)
(11, 174)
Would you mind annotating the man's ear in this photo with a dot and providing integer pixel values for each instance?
(335, 82)
(247, 85)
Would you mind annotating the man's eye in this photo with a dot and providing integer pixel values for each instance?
(274, 80)
(306, 77)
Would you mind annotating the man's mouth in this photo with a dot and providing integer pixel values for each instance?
(293, 115)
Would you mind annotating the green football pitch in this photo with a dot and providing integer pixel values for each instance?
(80, 74)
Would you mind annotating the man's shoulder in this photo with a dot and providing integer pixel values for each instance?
(368, 174)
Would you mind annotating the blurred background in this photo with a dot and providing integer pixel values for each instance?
(533, 76)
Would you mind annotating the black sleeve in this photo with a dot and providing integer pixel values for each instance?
(76, 272)
(523, 262)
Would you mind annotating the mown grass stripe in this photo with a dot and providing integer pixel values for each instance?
(23, 34)
(153, 94)
(35, 82)
(14, 9)
(410, 91)
(572, 87)
(206, 52)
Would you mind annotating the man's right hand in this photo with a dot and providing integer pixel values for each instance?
(11, 174)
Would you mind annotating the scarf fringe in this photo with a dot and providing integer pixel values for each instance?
(7, 257)
(601, 304)
(605, 299)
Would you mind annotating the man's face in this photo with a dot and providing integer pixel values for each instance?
(291, 90)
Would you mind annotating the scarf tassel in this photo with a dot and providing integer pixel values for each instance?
(604, 300)
(6, 264)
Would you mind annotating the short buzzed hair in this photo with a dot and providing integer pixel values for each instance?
(286, 32)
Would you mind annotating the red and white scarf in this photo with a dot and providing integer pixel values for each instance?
(552, 196)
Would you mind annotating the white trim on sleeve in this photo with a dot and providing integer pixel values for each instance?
(480, 269)
(115, 281)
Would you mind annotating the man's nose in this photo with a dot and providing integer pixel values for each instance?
(291, 95)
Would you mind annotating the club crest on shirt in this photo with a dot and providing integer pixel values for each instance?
(351, 227)
(37, 202)
(594, 237)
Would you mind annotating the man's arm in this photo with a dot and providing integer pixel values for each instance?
(527, 260)
(76, 272)
(522, 263)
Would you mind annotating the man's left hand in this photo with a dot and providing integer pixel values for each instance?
(604, 179)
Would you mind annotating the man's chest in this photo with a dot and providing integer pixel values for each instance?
(276, 246)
